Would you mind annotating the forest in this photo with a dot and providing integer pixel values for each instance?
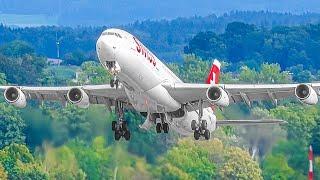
(52, 141)
(165, 37)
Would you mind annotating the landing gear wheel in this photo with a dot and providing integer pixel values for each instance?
(116, 82)
(158, 128)
(114, 123)
(207, 134)
(117, 135)
(196, 135)
(193, 125)
(165, 127)
(124, 126)
(112, 83)
(204, 124)
(127, 135)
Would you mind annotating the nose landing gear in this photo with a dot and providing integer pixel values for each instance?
(114, 69)
(120, 127)
(114, 82)
(200, 127)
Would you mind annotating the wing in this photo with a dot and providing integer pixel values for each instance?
(98, 94)
(188, 93)
(249, 122)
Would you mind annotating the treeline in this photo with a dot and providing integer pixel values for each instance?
(294, 48)
(165, 37)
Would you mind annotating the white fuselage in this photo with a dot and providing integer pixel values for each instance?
(142, 75)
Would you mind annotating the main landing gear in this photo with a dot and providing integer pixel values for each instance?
(200, 127)
(120, 127)
(114, 82)
(162, 125)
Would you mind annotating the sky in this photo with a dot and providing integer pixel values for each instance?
(102, 12)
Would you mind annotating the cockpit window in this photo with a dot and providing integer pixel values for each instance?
(112, 34)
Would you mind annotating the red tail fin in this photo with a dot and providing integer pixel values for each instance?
(214, 75)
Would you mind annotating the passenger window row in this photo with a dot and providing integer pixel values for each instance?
(112, 33)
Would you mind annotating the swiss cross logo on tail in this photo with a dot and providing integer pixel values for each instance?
(214, 74)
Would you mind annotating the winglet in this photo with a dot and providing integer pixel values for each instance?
(214, 74)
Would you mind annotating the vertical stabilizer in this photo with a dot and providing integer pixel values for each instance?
(214, 74)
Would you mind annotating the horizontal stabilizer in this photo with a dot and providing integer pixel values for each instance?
(249, 122)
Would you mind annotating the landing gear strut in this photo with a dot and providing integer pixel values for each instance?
(200, 127)
(162, 125)
(114, 69)
(120, 127)
(114, 82)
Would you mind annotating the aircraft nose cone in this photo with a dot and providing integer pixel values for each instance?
(105, 50)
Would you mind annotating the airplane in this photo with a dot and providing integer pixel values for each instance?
(143, 83)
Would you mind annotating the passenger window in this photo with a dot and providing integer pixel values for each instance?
(112, 34)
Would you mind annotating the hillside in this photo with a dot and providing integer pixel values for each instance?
(164, 37)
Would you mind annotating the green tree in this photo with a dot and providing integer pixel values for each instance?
(74, 58)
(75, 121)
(315, 140)
(147, 144)
(317, 167)
(3, 173)
(3, 79)
(61, 163)
(94, 160)
(269, 73)
(11, 126)
(239, 165)
(189, 161)
(195, 69)
(20, 164)
(276, 167)
(248, 75)
(93, 73)
(299, 74)
(295, 154)
(17, 49)
(301, 121)
(26, 69)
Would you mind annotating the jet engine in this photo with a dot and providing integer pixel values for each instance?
(78, 97)
(218, 96)
(306, 94)
(15, 96)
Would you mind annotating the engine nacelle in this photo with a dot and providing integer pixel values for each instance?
(218, 96)
(306, 94)
(78, 97)
(15, 96)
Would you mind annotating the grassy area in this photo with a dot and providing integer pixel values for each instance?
(64, 72)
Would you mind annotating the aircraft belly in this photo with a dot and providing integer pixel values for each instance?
(147, 94)
(135, 67)
(140, 101)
